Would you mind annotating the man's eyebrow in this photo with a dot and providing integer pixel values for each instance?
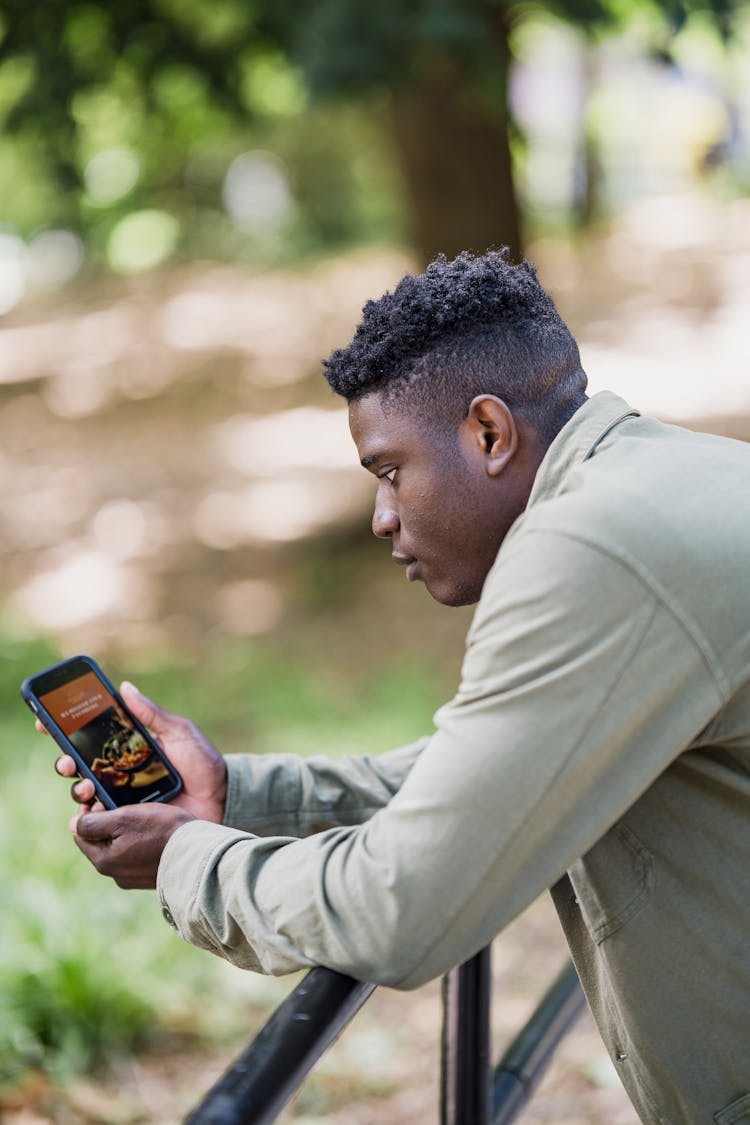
(369, 460)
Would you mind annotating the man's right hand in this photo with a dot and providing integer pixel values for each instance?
(201, 766)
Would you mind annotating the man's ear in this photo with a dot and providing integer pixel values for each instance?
(492, 431)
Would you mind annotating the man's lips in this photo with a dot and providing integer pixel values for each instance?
(409, 562)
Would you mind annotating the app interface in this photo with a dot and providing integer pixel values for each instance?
(116, 753)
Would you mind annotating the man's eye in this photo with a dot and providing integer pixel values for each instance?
(389, 475)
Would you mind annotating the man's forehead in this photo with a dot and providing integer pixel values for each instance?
(374, 428)
(366, 411)
(366, 415)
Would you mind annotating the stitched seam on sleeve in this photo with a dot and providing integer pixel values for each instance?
(315, 814)
(233, 795)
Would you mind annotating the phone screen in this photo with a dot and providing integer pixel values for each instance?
(125, 763)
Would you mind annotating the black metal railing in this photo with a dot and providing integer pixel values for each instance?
(255, 1089)
(520, 1069)
(268, 1073)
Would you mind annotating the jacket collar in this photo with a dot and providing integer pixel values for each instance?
(577, 441)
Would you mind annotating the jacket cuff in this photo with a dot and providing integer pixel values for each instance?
(184, 860)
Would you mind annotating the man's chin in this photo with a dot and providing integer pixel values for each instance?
(451, 595)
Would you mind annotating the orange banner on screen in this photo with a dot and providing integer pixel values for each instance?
(77, 703)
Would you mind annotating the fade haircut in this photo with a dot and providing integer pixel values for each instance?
(473, 325)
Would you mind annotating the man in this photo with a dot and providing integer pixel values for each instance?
(599, 741)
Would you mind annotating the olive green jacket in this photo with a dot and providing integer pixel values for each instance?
(601, 729)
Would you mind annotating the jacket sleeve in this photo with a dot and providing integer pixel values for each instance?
(579, 687)
(285, 795)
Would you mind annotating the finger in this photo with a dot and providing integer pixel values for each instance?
(66, 766)
(40, 726)
(150, 714)
(73, 822)
(86, 807)
(83, 792)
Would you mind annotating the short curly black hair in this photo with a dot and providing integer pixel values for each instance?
(474, 325)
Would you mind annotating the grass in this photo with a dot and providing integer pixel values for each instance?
(89, 973)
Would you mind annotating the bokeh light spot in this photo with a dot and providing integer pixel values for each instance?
(85, 587)
(256, 192)
(120, 528)
(54, 258)
(12, 271)
(111, 174)
(142, 240)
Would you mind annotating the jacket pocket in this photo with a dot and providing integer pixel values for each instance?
(738, 1110)
(613, 881)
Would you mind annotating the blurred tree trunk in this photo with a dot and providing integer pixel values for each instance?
(453, 148)
(588, 174)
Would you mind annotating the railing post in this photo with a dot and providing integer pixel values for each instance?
(465, 1076)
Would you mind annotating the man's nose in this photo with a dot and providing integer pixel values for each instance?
(385, 522)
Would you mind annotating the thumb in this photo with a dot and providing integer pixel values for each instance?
(96, 826)
(150, 714)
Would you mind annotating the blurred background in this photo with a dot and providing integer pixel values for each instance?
(195, 202)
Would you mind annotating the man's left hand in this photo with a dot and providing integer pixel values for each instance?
(127, 843)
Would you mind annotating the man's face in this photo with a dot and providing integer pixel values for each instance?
(443, 512)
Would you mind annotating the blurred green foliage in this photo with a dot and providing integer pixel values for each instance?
(349, 46)
(172, 92)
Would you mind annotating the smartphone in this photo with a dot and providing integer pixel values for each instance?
(88, 719)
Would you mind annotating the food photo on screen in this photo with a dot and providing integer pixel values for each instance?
(116, 753)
